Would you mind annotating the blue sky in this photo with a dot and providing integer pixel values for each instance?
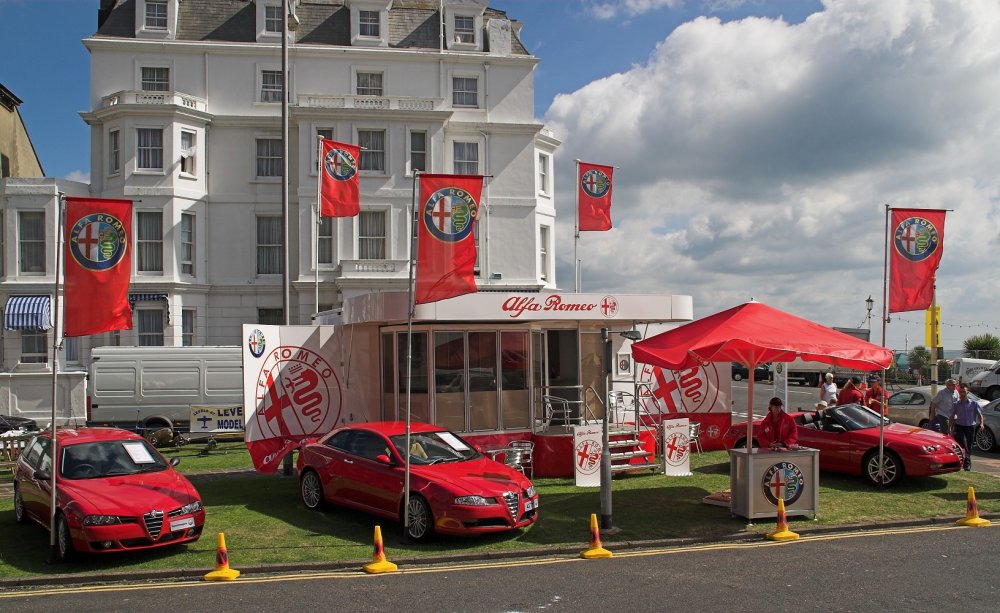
(756, 141)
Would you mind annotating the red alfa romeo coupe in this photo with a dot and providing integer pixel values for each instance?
(454, 489)
(114, 492)
(847, 439)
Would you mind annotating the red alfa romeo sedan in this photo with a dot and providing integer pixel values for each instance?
(114, 492)
(454, 489)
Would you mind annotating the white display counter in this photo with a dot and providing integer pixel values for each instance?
(757, 479)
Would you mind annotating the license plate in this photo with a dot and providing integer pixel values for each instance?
(530, 505)
(181, 524)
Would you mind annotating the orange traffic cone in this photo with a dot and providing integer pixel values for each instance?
(595, 550)
(781, 531)
(379, 564)
(222, 571)
(972, 513)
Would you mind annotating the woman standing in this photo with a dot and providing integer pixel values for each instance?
(828, 390)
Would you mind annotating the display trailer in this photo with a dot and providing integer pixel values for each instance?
(494, 367)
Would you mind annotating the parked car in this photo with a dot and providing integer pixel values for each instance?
(986, 439)
(911, 406)
(454, 489)
(14, 423)
(114, 492)
(847, 437)
(760, 373)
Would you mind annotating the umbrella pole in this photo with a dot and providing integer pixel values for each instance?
(749, 488)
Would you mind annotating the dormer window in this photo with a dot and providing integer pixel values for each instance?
(368, 24)
(156, 14)
(272, 19)
(465, 31)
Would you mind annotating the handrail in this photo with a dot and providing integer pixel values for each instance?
(586, 402)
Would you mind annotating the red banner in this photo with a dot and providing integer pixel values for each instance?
(446, 253)
(916, 243)
(594, 196)
(98, 265)
(339, 191)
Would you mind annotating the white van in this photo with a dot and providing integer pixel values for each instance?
(151, 388)
(986, 384)
(964, 369)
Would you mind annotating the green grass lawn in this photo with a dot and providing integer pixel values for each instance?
(264, 521)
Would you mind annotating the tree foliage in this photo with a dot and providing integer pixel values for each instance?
(983, 346)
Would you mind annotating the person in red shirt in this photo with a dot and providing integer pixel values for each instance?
(778, 428)
(876, 398)
(850, 393)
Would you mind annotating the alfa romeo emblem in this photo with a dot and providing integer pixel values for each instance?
(676, 447)
(595, 183)
(915, 239)
(340, 164)
(98, 241)
(256, 343)
(449, 214)
(784, 480)
(588, 456)
(298, 393)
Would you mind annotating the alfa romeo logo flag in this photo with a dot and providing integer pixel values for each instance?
(446, 251)
(98, 265)
(594, 195)
(916, 243)
(339, 192)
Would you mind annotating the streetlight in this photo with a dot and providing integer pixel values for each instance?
(870, 304)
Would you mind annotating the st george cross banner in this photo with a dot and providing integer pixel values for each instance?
(98, 265)
(594, 195)
(339, 191)
(916, 242)
(446, 252)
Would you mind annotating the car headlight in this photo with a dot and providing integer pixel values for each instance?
(191, 507)
(530, 492)
(475, 501)
(931, 448)
(101, 520)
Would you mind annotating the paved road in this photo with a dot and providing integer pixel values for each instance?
(920, 569)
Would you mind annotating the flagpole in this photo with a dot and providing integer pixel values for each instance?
(319, 212)
(885, 319)
(56, 330)
(409, 351)
(576, 229)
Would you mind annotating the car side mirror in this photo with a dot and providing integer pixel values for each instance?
(174, 461)
(837, 428)
(42, 475)
(384, 459)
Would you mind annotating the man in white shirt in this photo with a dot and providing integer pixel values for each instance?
(940, 409)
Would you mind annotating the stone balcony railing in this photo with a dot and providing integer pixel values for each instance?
(373, 269)
(154, 98)
(369, 103)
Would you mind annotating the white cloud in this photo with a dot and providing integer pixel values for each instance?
(609, 9)
(755, 158)
(80, 176)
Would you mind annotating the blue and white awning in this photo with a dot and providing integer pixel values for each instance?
(27, 313)
(133, 298)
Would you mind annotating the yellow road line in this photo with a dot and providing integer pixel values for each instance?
(358, 574)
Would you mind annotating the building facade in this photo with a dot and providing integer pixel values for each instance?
(185, 118)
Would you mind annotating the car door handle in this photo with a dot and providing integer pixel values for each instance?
(346, 461)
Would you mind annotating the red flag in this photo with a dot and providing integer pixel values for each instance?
(594, 195)
(446, 255)
(917, 244)
(339, 191)
(98, 265)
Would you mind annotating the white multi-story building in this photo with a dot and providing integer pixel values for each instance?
(185, 117)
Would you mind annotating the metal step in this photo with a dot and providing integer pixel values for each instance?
(618, 444)
(628, 455)
(620, 468)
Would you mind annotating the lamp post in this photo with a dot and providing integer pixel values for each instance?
(289, 23)
(870, 304)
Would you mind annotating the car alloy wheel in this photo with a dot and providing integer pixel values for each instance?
(985, 439)
(312, 490)
(64, 542)
(737, 377)
(890, 472)
(421, 523)
(19, 513)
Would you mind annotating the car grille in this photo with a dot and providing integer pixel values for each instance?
(958, 450)
(513, 503)
(154, 523)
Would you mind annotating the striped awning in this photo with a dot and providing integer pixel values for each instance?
(133, 298)
(27, 313)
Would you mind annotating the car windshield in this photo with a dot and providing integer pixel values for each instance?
(109, 458)
(434, 447)
(855, 416)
